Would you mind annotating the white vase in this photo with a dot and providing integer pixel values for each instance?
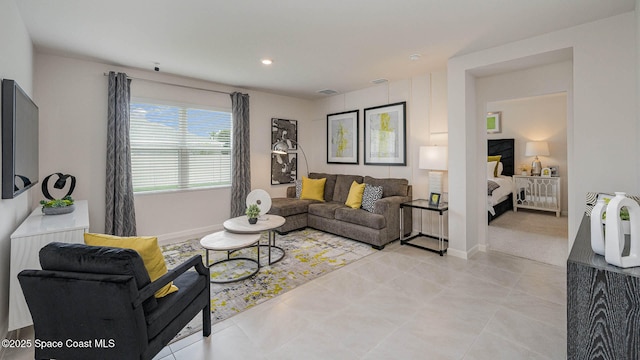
(597, 227)
(614, 236)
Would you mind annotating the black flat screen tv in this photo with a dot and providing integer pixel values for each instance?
(19, 140)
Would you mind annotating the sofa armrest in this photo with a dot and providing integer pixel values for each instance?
(291, 192)
(151, 289)
(389, 207)
(388, 203)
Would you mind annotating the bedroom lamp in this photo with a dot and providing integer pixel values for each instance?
(434, 158)
(282, 148)
(535, 148)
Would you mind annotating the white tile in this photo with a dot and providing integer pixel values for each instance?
(534, 335)
(164, 354)
(492, 347)
(230, 343)
(537, 308)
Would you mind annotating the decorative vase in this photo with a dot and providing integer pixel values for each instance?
(614, 236)
(253, 220)
(597, 227)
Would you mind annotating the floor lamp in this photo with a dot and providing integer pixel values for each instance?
(434, 158)
(282, 148)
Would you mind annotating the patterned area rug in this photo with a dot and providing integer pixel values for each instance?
(308, 254)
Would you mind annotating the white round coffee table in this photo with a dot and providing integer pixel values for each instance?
(267, 222)
(231, 242)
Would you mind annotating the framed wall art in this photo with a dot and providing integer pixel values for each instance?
(493, 122)
(342, 137)
(284, 167)
(385, 135)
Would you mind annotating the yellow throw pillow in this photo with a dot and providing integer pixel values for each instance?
(313, 189)
(146, 246)
(354, 199)
(495, 158)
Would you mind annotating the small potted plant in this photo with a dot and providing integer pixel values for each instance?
(253, 211)
(57, 206)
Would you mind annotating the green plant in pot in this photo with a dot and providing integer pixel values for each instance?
(57, 206)
(253, 211)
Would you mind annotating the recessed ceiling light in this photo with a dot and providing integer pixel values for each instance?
(414, 57)
(379, 81)
(267, 61)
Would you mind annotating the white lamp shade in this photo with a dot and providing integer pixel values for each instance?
(433, 157)
(535, 148)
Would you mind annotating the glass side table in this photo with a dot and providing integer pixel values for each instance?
(423, 205)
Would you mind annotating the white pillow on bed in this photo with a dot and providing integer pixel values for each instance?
(491, 168)
(500, 168)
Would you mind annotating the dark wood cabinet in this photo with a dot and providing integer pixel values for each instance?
(603, 304)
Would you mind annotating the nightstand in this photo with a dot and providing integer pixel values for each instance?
(536, 193)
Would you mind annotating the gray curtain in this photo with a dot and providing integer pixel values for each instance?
(240, 162)
(120, 219)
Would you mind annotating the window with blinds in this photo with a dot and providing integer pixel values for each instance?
(176, 147)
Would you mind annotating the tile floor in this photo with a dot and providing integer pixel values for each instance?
(400, 303)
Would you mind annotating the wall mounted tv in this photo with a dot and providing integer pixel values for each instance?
(19, 140)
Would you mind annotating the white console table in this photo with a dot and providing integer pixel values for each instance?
(537, 193)
(35, 232)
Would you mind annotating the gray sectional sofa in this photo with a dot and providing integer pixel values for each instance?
(377, 228)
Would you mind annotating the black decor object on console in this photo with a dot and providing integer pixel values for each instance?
(59, 184)
(19, 140)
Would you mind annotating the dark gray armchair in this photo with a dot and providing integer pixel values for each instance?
(97, 303)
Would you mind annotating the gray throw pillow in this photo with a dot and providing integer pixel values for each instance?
(370, 196)
(298, 188)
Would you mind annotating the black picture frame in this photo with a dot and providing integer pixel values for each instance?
(343, 128)
(385, 135)
(284, 167)
(434, 199)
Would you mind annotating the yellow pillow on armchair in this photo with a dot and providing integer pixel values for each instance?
(146, 246)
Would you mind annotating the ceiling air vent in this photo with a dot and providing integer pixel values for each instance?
(327, 92)
(379, 81)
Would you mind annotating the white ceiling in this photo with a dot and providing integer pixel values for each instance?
(323, 44)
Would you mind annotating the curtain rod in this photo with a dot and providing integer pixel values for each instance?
(178, 85)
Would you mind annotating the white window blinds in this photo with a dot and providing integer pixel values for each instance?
(176, 147)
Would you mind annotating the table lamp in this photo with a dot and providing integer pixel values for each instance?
(535, 148)
(434, 158)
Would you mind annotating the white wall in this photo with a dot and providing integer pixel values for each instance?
(426, 125)
(16, 63)
(604, 75)
(72, 97)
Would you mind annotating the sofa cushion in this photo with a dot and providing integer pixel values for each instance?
(325, 210)
(312, 189)
(390, 187)
(361, 217)
(328, 186)
(354, 199)
(288, 206)
(343, 185)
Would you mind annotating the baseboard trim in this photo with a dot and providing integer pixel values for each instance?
(171, 238)
(457, 253)
(482, 247)
(464, 254)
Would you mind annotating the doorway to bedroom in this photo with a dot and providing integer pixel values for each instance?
(534, 231)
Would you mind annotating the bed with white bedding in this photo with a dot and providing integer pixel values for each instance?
(501, 198)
